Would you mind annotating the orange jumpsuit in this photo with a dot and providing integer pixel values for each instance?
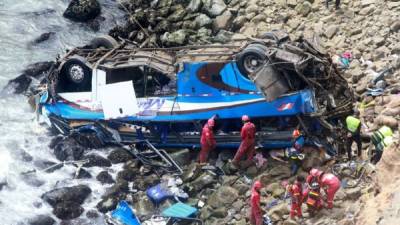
(247, 146)
(207, 142)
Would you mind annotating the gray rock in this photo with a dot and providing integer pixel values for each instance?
(225, 195)
(194, 5)
(214, 8)
(202, 20)
(41, 220)
(331, 31)
(353, 193)
(223, 21)
(178, 14)
(201, 182)
(223, 36)
(378, 41)
(68, 149)
(119, 156)
(304, 8)
(82, 10)
(176, 38)
(182, 156)
(238, 23)
(395, 26)
(44, 37)
(68, 210)
(365, 3)
(367, 10)
(279, 210)
(220, 212)
(289, 222)
(96, 160)
(83, 174)
(144, 207)
(92, 214)
(107, 204)
(105, 178)
(76, 194)
(191, 172)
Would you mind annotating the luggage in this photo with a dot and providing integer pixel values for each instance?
(180, 210)
(159, 193)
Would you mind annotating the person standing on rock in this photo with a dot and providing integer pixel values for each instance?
(337, 4)
(327, 181)
(247, 146)
(296, 192)
(353, 126)
(255, 198)
(207, 140)
(294, 153)
(381, 139)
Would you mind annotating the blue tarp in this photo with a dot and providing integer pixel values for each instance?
(124, 214)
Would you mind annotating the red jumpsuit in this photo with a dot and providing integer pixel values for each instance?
(255, 214)
(330, 183)
(248, 134)
(296, 193)
(207, 142)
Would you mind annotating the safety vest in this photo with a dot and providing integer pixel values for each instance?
(382, 138)
(352, 123)
(386, 131)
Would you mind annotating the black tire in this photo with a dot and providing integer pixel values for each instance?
(105, 41)
(76, 74)
(251, 58)
(269, 36)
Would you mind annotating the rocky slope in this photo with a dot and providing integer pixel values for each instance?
(368, 29)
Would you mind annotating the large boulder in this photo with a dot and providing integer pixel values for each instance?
(223, 21)
(96, 160)
(21, 83)
(68, 149)
(82, 10)
(214, 7)
(76, 194)
(105, 178)
(18, 85)
(68, 210)
(119, 156)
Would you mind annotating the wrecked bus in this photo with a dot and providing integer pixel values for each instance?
(119, 92)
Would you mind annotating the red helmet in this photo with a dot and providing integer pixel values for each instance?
(315, 172)
(210, 122)
(257, 185)
(245, 118)
(296, 133)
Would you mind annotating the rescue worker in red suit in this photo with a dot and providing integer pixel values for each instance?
(207, 140)
(247, 146)
(327, 181)
(296, 192)
(256, 213)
